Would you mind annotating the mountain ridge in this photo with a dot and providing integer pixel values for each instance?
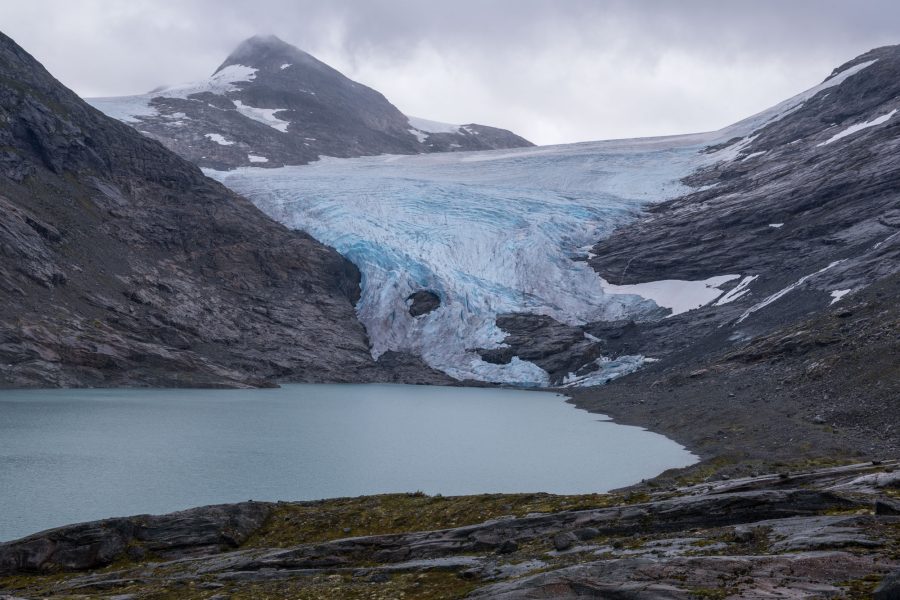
(121, 264)
(271, 104)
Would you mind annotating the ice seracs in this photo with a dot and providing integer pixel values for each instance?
(491, 233)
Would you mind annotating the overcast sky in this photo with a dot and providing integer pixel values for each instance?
(553, 71)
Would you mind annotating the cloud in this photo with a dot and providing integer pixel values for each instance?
(554, 72)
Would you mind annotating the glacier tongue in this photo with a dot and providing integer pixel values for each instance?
(488, 232)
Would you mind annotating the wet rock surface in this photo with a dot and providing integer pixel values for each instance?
(122, 265)
(811, 534)
(314, 111)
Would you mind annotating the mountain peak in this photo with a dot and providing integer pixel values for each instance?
(261, 51)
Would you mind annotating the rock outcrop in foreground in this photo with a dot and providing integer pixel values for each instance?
(825, 533)
(122, 265)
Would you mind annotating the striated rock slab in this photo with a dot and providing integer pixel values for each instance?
(780, 537)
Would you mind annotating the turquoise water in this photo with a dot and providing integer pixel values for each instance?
(75, 455)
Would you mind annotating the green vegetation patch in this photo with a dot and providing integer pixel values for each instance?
(301, 523)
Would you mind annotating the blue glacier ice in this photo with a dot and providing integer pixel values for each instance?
(489, 232)
(495, 232)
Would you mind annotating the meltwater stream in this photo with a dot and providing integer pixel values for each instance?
(74, 455)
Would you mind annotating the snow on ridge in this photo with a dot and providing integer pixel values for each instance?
(129, 108)
(776, 225)
(126, 108)
(783, 109)
(219, 139)
(222, 82)
(858, 127)
(432, 126)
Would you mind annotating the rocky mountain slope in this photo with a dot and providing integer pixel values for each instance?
(799, 206)
(806, 534)
(121, 264)
(707, 240)
(270, 104)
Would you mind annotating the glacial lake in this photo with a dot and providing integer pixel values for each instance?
(75, 455)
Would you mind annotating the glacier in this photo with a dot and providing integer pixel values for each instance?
(488, 232)
(496, 232)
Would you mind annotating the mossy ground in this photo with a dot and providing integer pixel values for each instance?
(292, 524)
(298, 523)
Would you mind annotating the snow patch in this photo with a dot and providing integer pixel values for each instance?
(257, 159)
(420, 135)
(266, 116)
(785, 291)
(776, 225)
(858, 127)
(733, 152)
(737, 291)
(677, 295)
(219, 139)
(838, 294)
(284, 66)
(753, 155)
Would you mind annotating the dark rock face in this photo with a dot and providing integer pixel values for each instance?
(831, 200)
(99, 543)
(423, 302)
(557, 348)
(889, 588)
(792, 207)
(121, 264)
(317, 112)
(824, 386)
